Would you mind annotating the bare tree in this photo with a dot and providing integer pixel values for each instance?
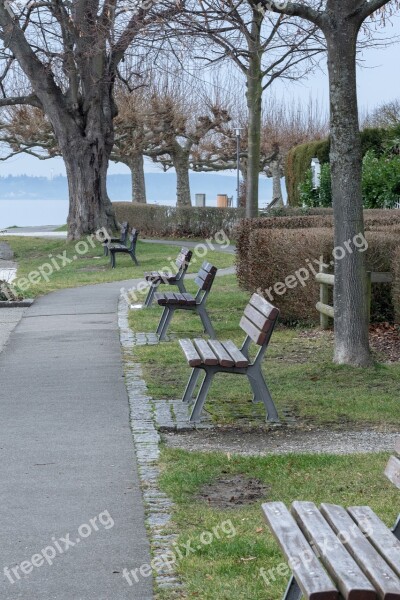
(341, 22)
(262, 46)
(179, 118)
(386, 115)
(69, 52)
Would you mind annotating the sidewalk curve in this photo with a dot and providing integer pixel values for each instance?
(67, 461)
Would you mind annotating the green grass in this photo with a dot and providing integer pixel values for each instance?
(62, 228)
(229, 567)
(92, 267)
(299, 371)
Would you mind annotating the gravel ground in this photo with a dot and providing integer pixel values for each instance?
(282, 441)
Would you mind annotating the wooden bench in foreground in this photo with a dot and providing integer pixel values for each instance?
(156, 278)
(174, 301)
(336, 553)
(214, 357)
(114, 249)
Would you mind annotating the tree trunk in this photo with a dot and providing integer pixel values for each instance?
(181, 164)
(136, 165)
(350, 292)
(254, 99)
(277, 196)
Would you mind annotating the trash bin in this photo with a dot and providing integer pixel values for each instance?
(200, 199)
(222, 200)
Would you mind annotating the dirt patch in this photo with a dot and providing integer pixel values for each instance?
(385, 340)
(232, 491)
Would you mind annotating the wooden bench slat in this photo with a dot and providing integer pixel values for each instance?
(256, 335)
(261, 322)
(309, 574)
(264, 307)
(346, 574)
(207, 355)
(378, 534)
(224, 358)
(189, 299)
(392, 471)
(160, 298)
(239, 358)
(204, 284)
(368, 559)
(191, 354)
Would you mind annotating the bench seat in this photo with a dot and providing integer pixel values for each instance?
(159, 277)
(167, 277)
(213, 352)
(170, 298)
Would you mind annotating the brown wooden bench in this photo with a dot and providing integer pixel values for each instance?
(174, 301)
(336, 553)
(156, 278)
(124, 229)
(114, 249)
(214, 357)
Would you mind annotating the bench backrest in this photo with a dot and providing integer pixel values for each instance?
(124, 231)
(259, 319)
(392, 470)
(205, 278)
(183, 260)
(133, 238)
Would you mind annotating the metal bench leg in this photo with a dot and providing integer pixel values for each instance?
(293, 592)
(166, 322)
(205, 319)
(201, 398)
(150, 295)
(162, 320)
(181, 286)
(112, 258)
(133, 257)
(187, 396)
(261, 392)
(396, 528)
(105, 247)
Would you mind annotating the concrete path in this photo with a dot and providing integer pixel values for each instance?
(71, 513)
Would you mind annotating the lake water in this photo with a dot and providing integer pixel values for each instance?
(33, 212)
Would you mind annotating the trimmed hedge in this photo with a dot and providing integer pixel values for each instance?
(270, 249)
(172, 221)
(299, 158)
(396, 284)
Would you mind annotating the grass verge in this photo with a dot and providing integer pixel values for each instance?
(229, 567)
(298, 369)
(92, 266)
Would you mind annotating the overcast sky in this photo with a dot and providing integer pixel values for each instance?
(378, 82)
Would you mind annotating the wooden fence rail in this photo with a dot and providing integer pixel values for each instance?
(327, 280)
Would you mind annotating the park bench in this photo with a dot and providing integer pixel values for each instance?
(114, 249)
(214, 357)
(355, 555)
(121, 240)
(156, 278)
(174, 301)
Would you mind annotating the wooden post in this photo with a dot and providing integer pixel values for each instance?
(369, 291)
(324, 298)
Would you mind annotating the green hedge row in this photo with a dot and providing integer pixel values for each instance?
(299, 158)
(172, 221)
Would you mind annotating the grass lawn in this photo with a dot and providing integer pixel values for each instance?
(298, 369)
(92, 266)
(229, 567)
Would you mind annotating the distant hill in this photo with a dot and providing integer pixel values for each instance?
(160, 187)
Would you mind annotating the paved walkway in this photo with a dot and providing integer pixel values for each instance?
(67, 456)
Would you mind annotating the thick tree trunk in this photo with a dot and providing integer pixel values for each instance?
(90, 208)
(181, 164)
(277, 196)
(136, 165)
(350, 292)
(254, 99)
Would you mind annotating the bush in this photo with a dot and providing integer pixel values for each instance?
(299, 158)
(273, 254)
(321, 197)
(396, 284)
(171, 221)
(380, 180)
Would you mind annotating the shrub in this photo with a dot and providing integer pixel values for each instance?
(396, 284)
(321, 197)
(380, 180)
(172, 221)
(274, 254)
